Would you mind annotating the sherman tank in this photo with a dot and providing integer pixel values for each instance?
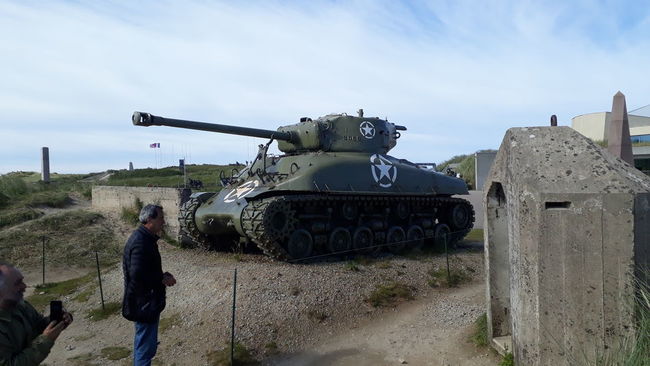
(334, 189)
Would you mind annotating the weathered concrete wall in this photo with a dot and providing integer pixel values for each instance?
(116, 198)
(577, 227)
(482, 164)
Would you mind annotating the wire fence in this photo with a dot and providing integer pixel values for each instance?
(446, 242)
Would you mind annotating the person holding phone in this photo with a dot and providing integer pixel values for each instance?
(145, 283)
(26, 336)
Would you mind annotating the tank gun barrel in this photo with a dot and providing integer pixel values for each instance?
(147, 119)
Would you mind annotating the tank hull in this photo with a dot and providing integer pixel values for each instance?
(335, 202)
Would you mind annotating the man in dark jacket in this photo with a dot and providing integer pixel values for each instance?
(145, 283)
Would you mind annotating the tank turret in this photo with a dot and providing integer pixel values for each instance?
(334, 191)
(331, 133)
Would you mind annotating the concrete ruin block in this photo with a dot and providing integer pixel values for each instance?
(567, 228)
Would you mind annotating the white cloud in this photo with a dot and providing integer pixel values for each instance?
(458, 74)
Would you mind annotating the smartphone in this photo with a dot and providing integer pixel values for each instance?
(56, 310)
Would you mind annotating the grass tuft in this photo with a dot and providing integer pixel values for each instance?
(480, 337)
(271, 348)
(49, 199)
(352, 266)
(18, 216)
(115, 353)
(169, 322)
(389, 294)
(111, 308)
(47, 292)
(242, 356)
(439, 277)
(508, 360)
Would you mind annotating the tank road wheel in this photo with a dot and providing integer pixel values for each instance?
(300, 244)
(402, 210)
(349, 211)
(415, 237)
(395, 237)
(340, 240)
(279, 220)
(440, 234)
(460, 216)
(362, 240)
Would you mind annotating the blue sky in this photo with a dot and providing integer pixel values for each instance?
(458, 74)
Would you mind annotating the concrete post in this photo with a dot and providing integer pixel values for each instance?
(45, 164)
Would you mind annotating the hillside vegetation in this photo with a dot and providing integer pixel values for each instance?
(209, 175)
(466, 166)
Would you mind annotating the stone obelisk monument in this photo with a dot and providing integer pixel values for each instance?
(45, 164)
(618, 135)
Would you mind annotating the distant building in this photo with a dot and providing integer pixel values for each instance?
(595, 125)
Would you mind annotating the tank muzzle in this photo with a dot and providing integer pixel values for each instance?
(141, 119)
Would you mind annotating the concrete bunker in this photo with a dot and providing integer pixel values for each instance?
(566, 228)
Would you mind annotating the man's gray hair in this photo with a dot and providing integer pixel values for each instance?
(149, 212)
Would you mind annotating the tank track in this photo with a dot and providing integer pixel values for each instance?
(271, 223)
(189, 234)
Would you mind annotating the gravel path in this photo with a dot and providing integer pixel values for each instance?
(285, 310)
(287, 314)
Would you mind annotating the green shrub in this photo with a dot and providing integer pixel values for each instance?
(389, 294)
(146, 173)
(72, 237)
(12, 186)
(87, 192)
(4, 200)
(17, 216)
(49, 199)
(131, 215)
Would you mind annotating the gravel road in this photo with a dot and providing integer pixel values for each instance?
(291, 314)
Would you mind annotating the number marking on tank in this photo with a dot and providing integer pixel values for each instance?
(383, 170)
(367, 129)
(241, 191)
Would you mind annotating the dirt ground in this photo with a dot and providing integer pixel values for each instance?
(276, 302)
(414, 334)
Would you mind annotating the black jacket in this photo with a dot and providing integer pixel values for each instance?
(144, 292)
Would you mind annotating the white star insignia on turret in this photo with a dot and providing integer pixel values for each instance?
(367, 129)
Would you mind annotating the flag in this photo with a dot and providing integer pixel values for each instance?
(154, 145)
